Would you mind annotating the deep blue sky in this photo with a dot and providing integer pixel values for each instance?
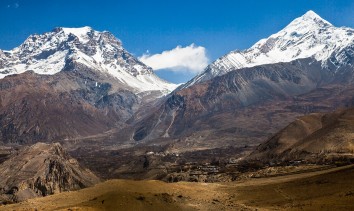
(220, 26)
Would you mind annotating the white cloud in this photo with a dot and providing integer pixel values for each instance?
(191, 58)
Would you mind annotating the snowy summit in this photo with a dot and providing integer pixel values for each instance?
(305, 37)
(51, 52)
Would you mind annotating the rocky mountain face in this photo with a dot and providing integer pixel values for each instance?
(74, 82)
(40, 170)
(245, 105)
(316, 138)
(308, 36)
(44, 108)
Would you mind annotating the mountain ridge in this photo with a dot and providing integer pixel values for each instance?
(305, 37)
(52, 52)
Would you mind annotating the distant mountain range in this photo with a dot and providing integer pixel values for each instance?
(246, 96)
(82, 88)
(77, 82)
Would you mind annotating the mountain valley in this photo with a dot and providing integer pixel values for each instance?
(77, 109)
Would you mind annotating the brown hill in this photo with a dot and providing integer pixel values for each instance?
(313, 138)
(40, 170)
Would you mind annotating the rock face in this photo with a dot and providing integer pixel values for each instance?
(45, 108)
(321, 137)
(40, 170)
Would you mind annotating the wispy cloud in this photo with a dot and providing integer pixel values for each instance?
(14, 5)
(191, 58)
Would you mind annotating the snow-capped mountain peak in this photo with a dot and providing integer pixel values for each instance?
(311, 16)
(305, 37)
(49, 53)
(82, 33)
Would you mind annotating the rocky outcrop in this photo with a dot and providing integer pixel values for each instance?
(40, 170)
